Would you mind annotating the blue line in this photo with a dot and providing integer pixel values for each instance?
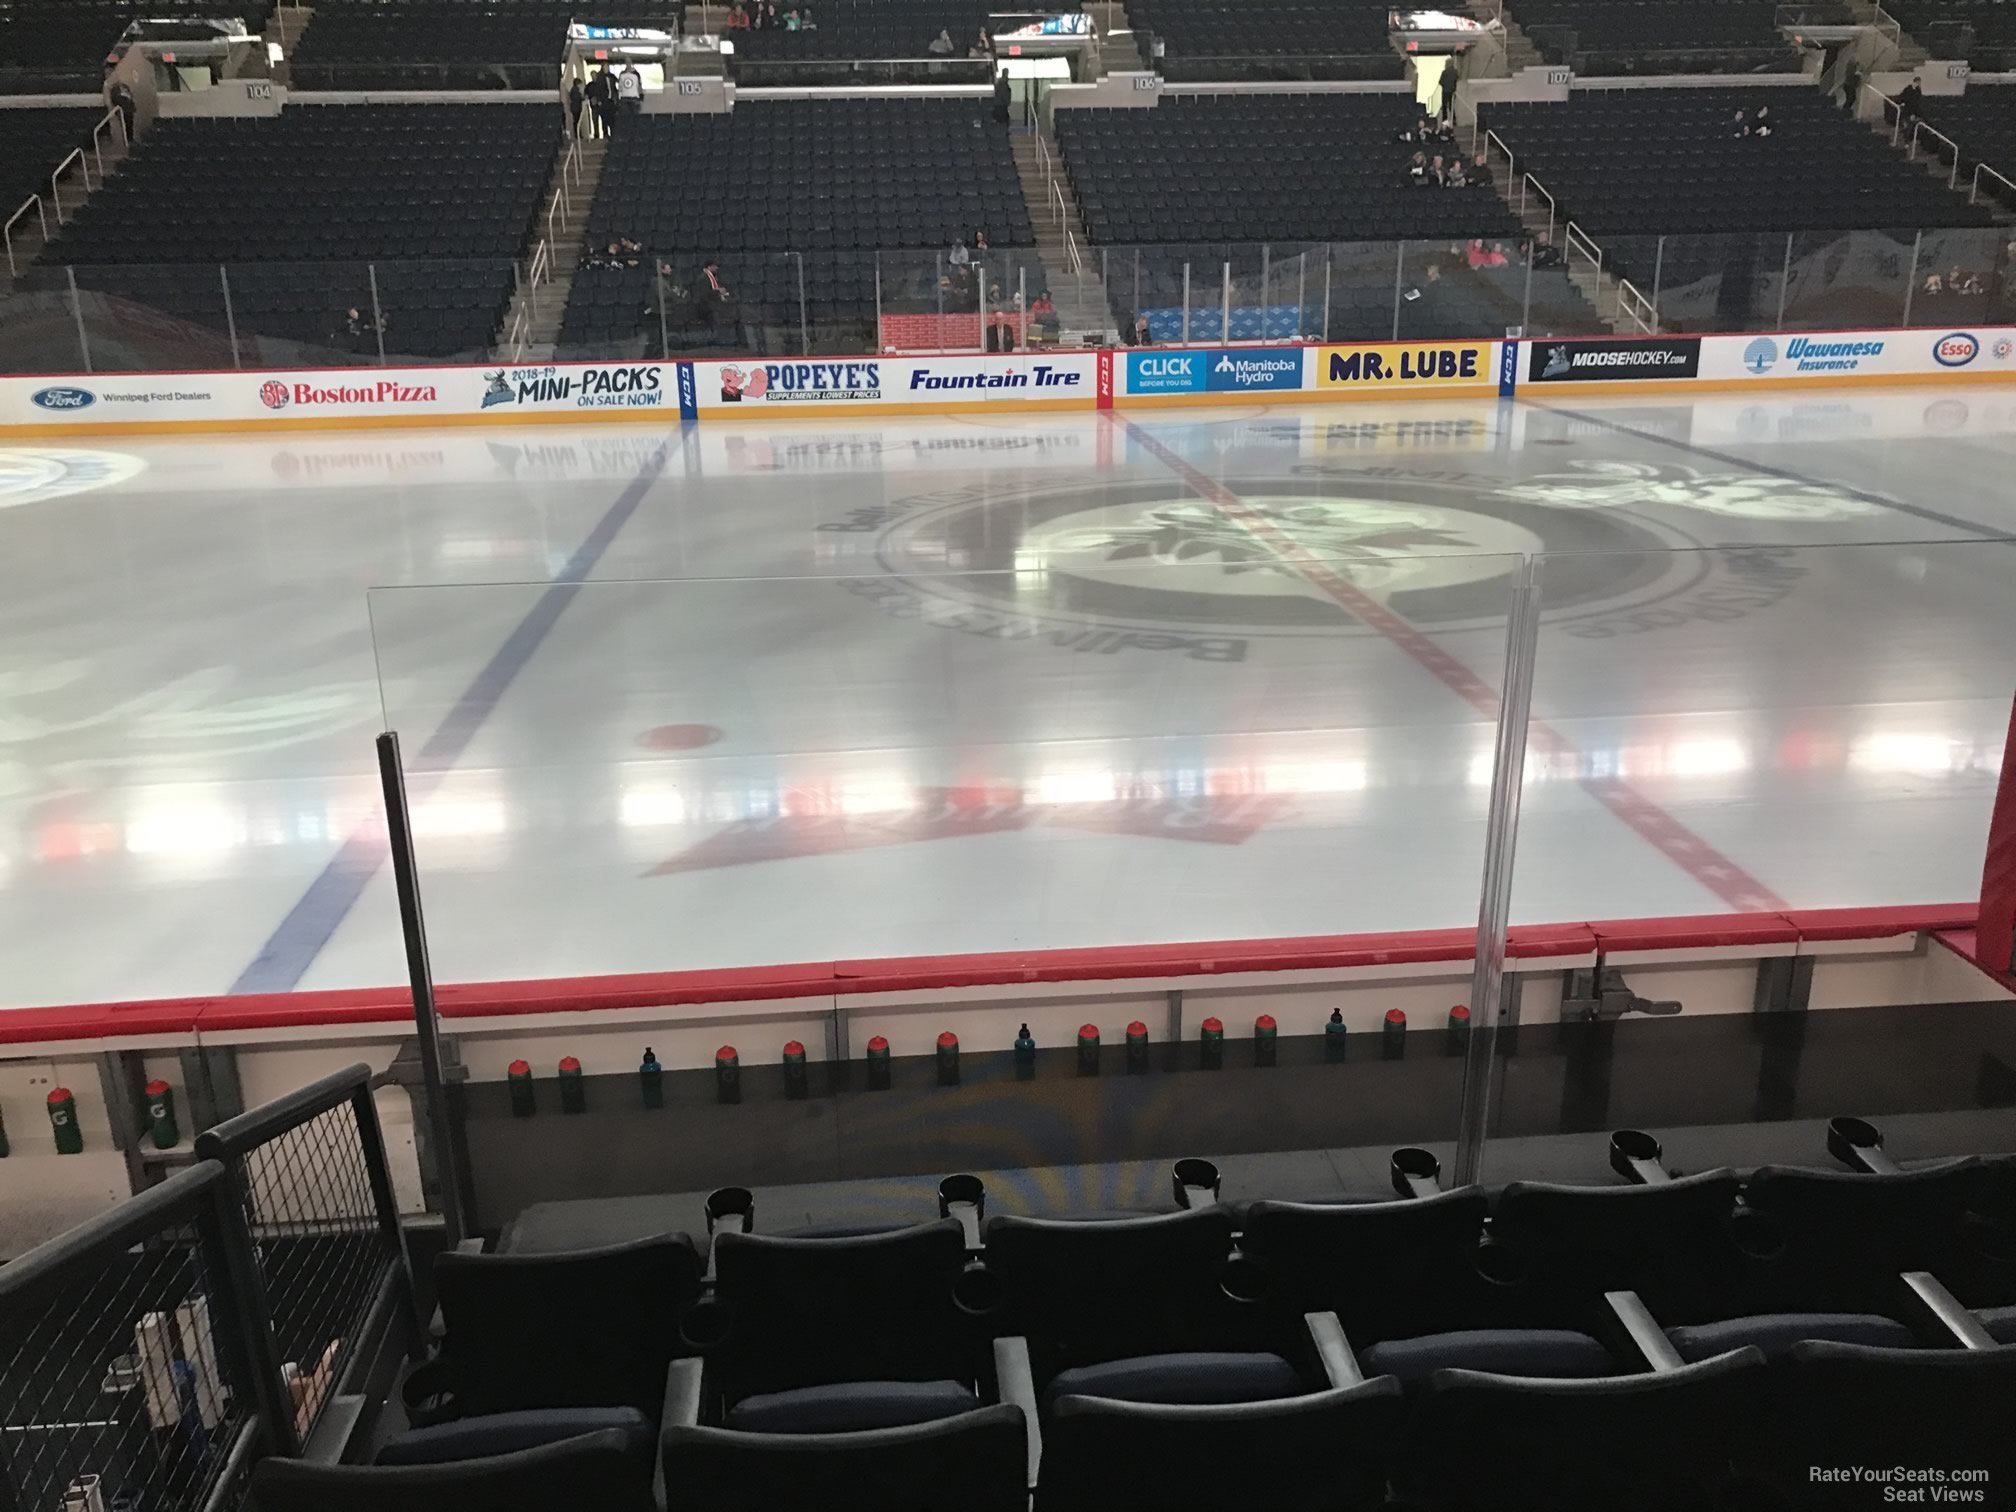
(313, 921)
(1745, 464)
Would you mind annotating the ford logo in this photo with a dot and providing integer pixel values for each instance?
(64, 398)
(1956, 350)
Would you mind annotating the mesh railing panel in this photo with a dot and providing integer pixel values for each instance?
(319, 1248)
(113, 1391)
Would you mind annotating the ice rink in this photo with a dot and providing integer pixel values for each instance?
(742, 696)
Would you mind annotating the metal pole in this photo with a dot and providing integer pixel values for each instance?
(241, 1315)
(1911, 278)
(1399, 277)
(1526, 299)
(1266, 294)
(938, 267)
(385, 1203)
(1658, 275)
(1186, 302)
(980, 298)
(230, 315)
(1326, 291)
(1508, 771)
(664, 333)
(1784, 282)
(1022, 309)
(377, 314)
(427, 1026)
(1225, 301)
(804, 324)
(77, 310)
(878, 301)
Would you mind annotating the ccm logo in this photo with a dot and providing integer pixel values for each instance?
(1956, 350)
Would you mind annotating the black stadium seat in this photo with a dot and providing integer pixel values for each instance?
(609, 1471)
(60, 46)
(32, 143)
(1289, 39)
(1597, 37)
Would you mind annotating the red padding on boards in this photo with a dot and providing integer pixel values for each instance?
(1996, 926)
(1696, 932)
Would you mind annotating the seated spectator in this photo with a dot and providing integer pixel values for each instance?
(1741, 126)
(1910, 100)
(738, 19)
(1933, 284)
(1043, 316)
(1418, 132)
(1437, 173)
(1417, 171)
(805, 21)
(982, 47)
(1455, 177)
(1439, 130)
(1761, 125)
(1480, 171)
(1545, 253)
(941, 45)
(1499, 256)
(957, 255)
(980, 240)
(791, 22)
(1140, 335)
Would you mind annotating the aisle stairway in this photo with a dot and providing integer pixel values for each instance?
(1600, 289)
(532, 324)
(1070, 265)
(70, 191)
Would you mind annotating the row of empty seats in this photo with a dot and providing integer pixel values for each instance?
(1669, 1345)
(834, 185)
(1659, 36)
(438, 201)
(1981, 31)
(32, 143)
(61, 46)
(1292, 39)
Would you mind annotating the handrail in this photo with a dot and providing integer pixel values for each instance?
(1553, 211)
(1057, 199)
(1578, 239)
(1974, 192)
(1071, 252)
(56, 188)
(1893, 112)
(33, 202)
(558, 208)
(1911, 153)
(1896, 32)
(98, 130)
(1630, 302)
(232, 1138)
(541, 269)
(521, 330)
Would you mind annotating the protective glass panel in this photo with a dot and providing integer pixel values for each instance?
(1745, 733)
(1153, 717)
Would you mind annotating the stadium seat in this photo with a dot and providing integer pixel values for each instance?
(1596, 37)
(1655, 1442)
(1324, 1451)
(975, 1462)
(591, 1329)
(32, 143)
(1289, 39)
(610, 1471)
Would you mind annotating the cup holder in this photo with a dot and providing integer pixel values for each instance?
(1413, 1169)
(1852, 1140)
(1756, 1235)
(962, 1188)
(1501, 1264)
(726, 1203)
(978, 1292)
(1190, 1176)
(1242, 1280)
(1632, 1151)
(707, 1324)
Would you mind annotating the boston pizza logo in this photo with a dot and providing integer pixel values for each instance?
(273, 394)
(1331, 551)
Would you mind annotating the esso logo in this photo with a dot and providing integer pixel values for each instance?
(273, 394)
(1956, 350)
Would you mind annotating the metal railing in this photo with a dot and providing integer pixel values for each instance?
(1636, 308)
(128, 1375)
(1059, 211)
(1974, 190)
(1071, 254)
(1921, 128)
(1553, 213)
(34, 203)
(56, 179)
(1576, 241)
(308, 1176)
(110, 119)
(1889, 26)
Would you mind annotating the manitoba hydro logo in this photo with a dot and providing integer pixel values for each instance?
(1134, 568)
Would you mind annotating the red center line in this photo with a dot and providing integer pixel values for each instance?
(1672, 839)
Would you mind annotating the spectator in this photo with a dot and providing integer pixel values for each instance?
(791, 22)
(983, 45)
(770, 16)
(1933, 284)
(576, 98)
(361, 333)
(1851, 87)
(1043, 316)
(941, 45)
(1761, 126)
(1545, 253)
(1480, 171)
(1437, 174)
(738, 19)
(756, 21)
(1450, 74)
(805, 21)
(1001, 100)
(602, 99)
(980, 240)
(1455, 176)
(1910, 100)
(1417, 171)
(123, 102)
(630, 90)
(1741, 125)
(1418, 132)
(1140, 335)
(1440, 131)
(956, 255)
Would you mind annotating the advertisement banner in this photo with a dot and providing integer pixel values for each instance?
(1062, 380)
(1215, 370)
(1611, 361)
(1406, 367)
(1823, 356)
